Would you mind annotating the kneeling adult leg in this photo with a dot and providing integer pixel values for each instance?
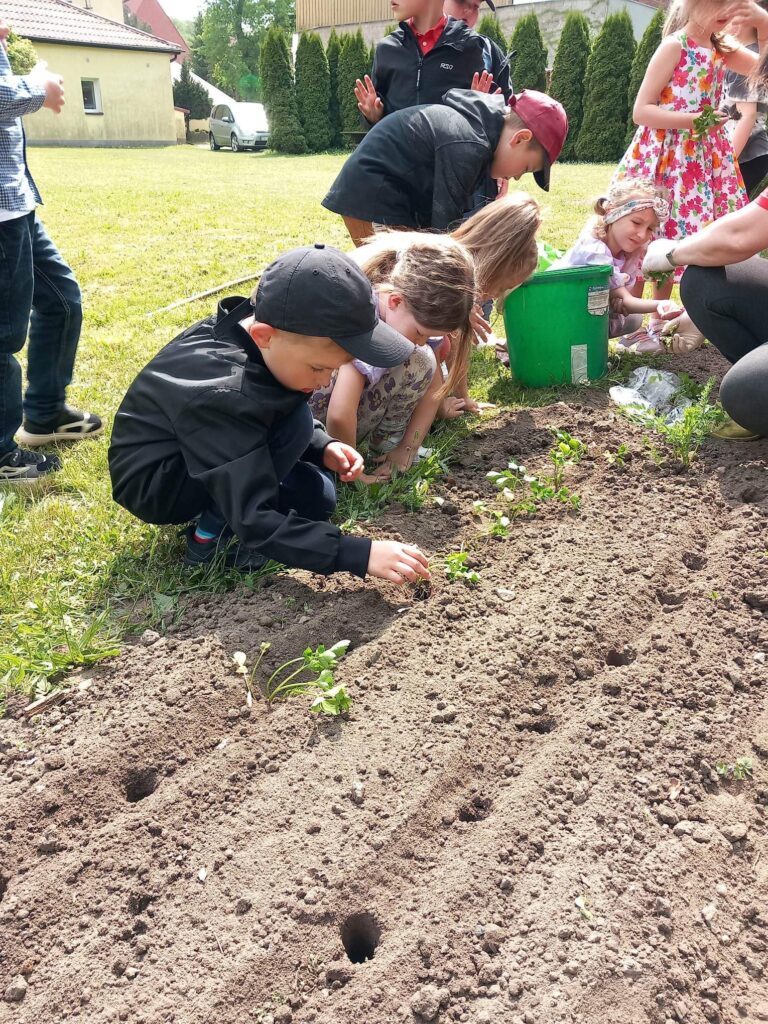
(729, 305)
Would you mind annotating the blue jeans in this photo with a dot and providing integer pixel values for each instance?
(304, 487)
(39, 296)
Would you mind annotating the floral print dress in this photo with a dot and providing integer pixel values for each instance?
(702, 175)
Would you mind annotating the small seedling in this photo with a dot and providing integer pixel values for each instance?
(715, 595)
(456, 568)
(707, 119)
(568, 451)
(739, 771)
(330, 698)
(249, 674)
(500, 525)
(685, 436)
(619, 457)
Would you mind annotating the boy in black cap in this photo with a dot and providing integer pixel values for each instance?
(422, 167)
(217, 427)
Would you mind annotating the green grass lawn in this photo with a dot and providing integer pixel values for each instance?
(141, 229)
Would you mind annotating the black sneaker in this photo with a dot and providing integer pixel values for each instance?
(235, 555)
(23, 467)
(70, 425)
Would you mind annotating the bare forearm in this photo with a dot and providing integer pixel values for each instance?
(653, 116)
(729, 240)
(342, 428)
(631, 304)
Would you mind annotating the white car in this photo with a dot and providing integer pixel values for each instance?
(239, 126)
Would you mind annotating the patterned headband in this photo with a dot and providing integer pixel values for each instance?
(659, 206)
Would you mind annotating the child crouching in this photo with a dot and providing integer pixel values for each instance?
(424, 286)
(217, 429)
(626, 220)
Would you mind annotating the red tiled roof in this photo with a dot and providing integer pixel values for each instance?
(57, 21)
(152, 13)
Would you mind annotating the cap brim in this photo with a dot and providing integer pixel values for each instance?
(382, 347)
(542, 177)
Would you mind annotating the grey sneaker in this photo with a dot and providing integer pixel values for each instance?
(23, 467)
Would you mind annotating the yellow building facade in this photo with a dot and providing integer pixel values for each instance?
(117, 79)
(129, 93)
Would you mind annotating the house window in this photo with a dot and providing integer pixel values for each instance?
(91, 95)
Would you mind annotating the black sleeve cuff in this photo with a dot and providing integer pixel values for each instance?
(353, 556)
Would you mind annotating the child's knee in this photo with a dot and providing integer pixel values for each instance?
(422, 364)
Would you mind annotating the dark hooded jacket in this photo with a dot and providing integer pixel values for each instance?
(420, 167)
(405, 77)
(193, 429)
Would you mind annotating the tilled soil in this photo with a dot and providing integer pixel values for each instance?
(521, 821)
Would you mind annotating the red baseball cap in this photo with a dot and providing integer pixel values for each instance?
(549, 123)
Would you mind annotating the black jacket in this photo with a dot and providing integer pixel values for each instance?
(198, 416)
(404, 77)
(420, 167)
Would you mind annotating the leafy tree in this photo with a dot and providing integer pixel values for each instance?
(645, 50)
(334, 113)
(130, 19)
(604, 126)
(529, 70)
(233, 31)
(285, 132)
(353, 64)
(185, 28)
(21, 54)
(490, 26)
(313, 89)
(568, 74)
(197, 56)
(190, 94)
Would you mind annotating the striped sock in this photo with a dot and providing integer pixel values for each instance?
(204, 536)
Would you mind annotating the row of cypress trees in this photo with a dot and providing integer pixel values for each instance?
(310, 106)
(596, 81)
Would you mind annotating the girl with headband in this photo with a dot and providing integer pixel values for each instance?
(625, 221)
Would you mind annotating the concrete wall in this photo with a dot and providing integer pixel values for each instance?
(106, 8)
(136, 99)
(551, 15)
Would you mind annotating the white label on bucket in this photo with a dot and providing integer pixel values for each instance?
(597, 300)
(579, 364)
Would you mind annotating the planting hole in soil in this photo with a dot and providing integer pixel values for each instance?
(615, 658)
(542, 725)
(751, 495)
(360, 935)
(139, 783)
(478, 808)
(3, 886)
(693, 561)
(138, 903)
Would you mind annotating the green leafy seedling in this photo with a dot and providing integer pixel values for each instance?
(739, 771)
(329, 697)
(456, 569)
(707, 119)
(617, 458)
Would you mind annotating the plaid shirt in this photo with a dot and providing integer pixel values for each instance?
(18, 96)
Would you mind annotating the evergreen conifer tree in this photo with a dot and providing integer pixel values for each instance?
(334, 114)
(529, 69)
(313, 91)
(190, 94)
(285, 133)
(490, 26)
(197, 56)
(604, 126)
(568, 74)
(645, 50)
(353, 64)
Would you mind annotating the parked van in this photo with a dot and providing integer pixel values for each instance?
(239, 126)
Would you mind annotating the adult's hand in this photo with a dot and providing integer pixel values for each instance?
(656, 257)
(368, 102)
(53, 85)
(5, 31)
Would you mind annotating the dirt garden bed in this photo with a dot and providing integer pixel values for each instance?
(522, 821)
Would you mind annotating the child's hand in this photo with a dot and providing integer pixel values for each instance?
(400, 458)
(343, 459)
(399, 563)
(368, 103)
(744, 12)
(479, 325)
(668, 310)
(451, 408)
(382, 473)
(483, 82)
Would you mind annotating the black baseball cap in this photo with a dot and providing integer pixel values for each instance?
(318, 290)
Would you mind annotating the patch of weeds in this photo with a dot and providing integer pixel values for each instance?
(686, 435)
(330, 697)
(739, 771)
(689, 388)
(619, 457)
(456, 569)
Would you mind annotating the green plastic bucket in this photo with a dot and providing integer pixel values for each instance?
(557, 327)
